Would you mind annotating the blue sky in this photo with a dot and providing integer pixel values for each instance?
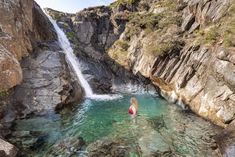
(71, 6)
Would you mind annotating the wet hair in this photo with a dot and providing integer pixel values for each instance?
(133, 101)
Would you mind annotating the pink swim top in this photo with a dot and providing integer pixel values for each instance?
(132, 110)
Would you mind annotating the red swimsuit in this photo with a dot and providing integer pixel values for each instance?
(132, 110)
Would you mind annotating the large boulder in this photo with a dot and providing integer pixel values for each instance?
(47, 82)
(10, 70)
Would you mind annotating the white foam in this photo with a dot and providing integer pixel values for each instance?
(105, 97)
(130, 88)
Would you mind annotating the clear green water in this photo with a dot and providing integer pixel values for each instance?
(159, 127)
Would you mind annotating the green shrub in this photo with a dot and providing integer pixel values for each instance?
(170, 20)
(229, 31)
(122, 44)
(138, 22)
(71, 35)
(57, 16)
(207, 36)
(143, 21)
(211, 35)
(228, 40)
(118, 3)
(4, 93)
(120, 56)
(164, 47)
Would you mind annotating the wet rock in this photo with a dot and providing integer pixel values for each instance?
(157, 123)
(7, 149)
(108, 148)
(28, 140)
(226, 140)
(47, 83)
(67, 147)
(161, 154)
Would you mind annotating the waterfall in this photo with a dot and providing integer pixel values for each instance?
(73, 62)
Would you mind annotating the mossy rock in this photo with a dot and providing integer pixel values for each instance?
(71, 35)
(4, 93)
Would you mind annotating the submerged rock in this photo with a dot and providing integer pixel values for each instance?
(108, 148)
(67, 147)
(157, 123)
(7, 149)
(28, 140)
(162, 154)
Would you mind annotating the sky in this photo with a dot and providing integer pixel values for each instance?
(71, 6)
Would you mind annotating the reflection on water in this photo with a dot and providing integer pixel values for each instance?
(160, 129)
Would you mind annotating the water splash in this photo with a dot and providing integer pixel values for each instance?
(73, 62)
(133, 88)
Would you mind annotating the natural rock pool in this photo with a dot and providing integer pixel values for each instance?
(104, 128)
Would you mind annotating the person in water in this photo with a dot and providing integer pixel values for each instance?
(133, 109)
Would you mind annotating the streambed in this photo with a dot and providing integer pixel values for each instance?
(98, 128)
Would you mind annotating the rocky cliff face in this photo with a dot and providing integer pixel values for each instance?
(92, 32)
(202, 73)
(30, 58)
(20, 28)
(187, 49)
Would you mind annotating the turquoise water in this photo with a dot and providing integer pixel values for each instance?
(159, 127)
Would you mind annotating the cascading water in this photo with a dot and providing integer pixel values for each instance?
(73, 62)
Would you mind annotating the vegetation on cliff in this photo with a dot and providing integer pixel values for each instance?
(221, 31)
(119, 3)
(162, 21)
(3, 93)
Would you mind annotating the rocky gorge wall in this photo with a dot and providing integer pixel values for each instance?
(183, 48)
(34, 76)
(21, 27)
(92, 32)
